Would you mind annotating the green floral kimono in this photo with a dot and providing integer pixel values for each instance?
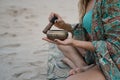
(106, 37)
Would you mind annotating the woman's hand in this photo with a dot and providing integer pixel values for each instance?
(48, 40)
(67, 41)
(59, 22)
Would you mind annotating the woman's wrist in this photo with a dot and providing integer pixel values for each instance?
(74, 43)
(67, 27)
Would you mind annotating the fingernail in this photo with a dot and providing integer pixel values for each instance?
(55, 21)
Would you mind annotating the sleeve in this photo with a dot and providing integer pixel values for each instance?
(110, 16)
(111, 26)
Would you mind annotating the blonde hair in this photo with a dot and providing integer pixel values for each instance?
(82, 5)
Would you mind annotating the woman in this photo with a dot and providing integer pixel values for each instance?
(101, 21)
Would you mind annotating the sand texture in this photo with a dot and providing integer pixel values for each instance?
(23, 53)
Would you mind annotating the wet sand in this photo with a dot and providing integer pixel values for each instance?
(23, 53)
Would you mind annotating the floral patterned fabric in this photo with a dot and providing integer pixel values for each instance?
(106, 37)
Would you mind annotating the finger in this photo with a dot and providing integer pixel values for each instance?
(58, 21)
(57, 15)
(48, 40)
(51, 16)
(57, 41)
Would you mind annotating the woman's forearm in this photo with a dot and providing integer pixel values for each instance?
(83, 44)
(67, 27)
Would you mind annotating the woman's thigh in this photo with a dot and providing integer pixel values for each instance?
(91, 74)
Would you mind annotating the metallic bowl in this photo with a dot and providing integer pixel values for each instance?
(57, 34)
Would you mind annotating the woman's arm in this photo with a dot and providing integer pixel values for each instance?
(83, 44)
(67, 27)
(77, 43)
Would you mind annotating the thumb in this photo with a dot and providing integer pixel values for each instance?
(58, 21)
(58, 41)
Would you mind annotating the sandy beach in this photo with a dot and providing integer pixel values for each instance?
(23, 53)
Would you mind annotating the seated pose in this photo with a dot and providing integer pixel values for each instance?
(93, 52)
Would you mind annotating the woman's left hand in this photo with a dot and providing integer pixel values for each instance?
(67, 41)
(48, 40)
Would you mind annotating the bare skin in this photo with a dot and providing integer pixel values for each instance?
(73, 51)
(91, 74)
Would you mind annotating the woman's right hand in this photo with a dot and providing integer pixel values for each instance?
(59, 22)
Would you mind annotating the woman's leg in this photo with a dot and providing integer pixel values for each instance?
(69, 62)
(91, 74)
(73, 55)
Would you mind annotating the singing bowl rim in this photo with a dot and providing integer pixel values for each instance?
(57, 30)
